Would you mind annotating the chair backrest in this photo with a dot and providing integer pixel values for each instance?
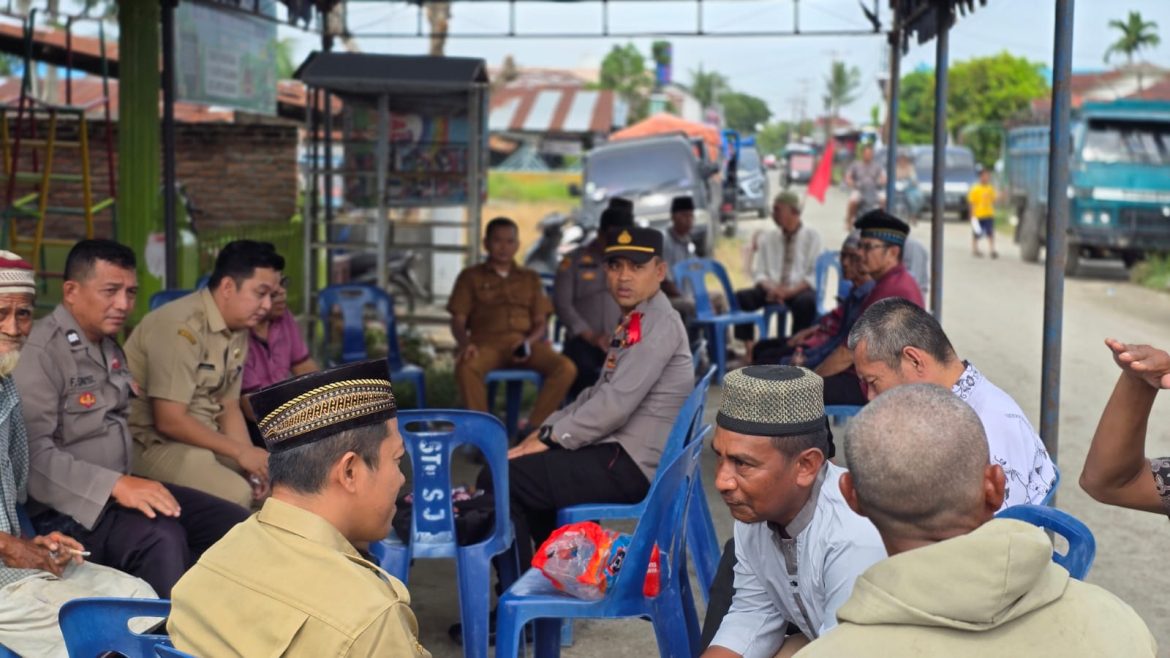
(430, 437)
(688, 422)
(202, 281)
(1051, 495)
(662, 523)
(351, 300)
(164, 296)
(93, 626)
(826, 261)
(1082, 546)
(693, 272)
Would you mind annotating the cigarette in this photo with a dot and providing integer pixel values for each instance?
(71, 551)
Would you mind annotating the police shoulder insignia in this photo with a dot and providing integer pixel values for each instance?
(188, 335)
(73, 338)
(566, 264)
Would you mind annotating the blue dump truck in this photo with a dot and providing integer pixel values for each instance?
(1119, 183)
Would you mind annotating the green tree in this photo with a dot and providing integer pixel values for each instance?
(774, 137)
(708, 86)
(285, 67)
(1136, 34)
(624, 71)
(984, 93)
(841, 88)
(743, 112)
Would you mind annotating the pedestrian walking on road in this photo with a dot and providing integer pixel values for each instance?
(982, 201)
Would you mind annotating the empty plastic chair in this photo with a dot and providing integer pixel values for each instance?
(431, 437)
(672, 611)
(692, 273)
(93, 626)
(352, 300)
(1082, 546)
(165, 296)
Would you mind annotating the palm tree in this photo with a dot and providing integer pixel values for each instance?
(1136, 34)
(841, 88)
(708, 86)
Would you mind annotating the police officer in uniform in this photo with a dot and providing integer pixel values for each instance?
(584, 304)
(288, 581)
(499, 313)
(188, 358)
(605, 446)
(75, 393)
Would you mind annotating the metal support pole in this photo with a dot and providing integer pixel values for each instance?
(938, 179)
(474, 171)
(1056, 241)
(382, 157)
(327, 165)
(895, 104)
(171, 230)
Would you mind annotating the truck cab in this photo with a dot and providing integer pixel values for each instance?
(1119, 183)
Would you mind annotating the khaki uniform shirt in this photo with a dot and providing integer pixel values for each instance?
(498, 305)
(287, 583)
(76, 397)
(581, 294)
(185, 353)
(648, 374)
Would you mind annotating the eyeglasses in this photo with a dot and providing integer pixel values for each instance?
(870, 246)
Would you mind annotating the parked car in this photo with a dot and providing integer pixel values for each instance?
(770, 161)
(959, 175)
(753, 181)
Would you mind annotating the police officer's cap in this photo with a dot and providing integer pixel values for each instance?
(638, 244)
(615, 218)
(881, 225)
(322, 404)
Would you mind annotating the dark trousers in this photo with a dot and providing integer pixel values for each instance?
(844, 388)
(589, 360)
(769, 352)
(720, 596)
(803, 308)
(158, 550)
(548, 481)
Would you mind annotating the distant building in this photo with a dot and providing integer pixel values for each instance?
(1116, 84)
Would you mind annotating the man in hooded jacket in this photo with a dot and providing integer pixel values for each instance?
(958, 582)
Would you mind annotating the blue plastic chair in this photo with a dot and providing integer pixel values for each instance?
(826, 261)
(1048, 497)
(164, 651)
(352, 300)
(672, 612)
(93, 626)
(513, 380)
(701, 539)
(839, 412)
(202, 281)
(1082, 546)
(693, 272)
(5, 652)
(431, 447)
(166, 296)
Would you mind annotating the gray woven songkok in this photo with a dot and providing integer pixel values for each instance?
(772, 401)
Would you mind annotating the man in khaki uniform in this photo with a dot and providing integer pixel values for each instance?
(187, 358)
(288, 581)
(584, 304)
(499, 314)
(75, 393)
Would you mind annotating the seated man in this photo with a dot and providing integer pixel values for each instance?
(288, 581)
(584, 304)
(677, 246)
(605, 446)
(797, 545)
(37, 574)
(896, 343)
(1116, 471)
(883, 238)
(784, 269)
(187, 358)
(75, 394)
(958, 582)
(809, 347)
(499, 314)
(276, 351)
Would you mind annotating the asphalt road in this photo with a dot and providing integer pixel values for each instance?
(992, 311)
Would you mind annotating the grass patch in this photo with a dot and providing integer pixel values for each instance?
(526, 186)
(1154, 272)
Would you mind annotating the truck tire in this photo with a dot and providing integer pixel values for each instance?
(1072, 261)
(1131, 258)
(1030, 235)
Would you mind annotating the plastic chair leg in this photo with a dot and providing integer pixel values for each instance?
(668, 620)
(719, 340)
(475, 586)
(512, 411)
(509, 625)
(566, 632)
(702, 543)
(547, 638)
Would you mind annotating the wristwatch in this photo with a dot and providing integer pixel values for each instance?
(545, 437)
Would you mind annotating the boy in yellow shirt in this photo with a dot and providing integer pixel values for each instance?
(982, 201)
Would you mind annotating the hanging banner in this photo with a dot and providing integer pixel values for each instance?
(225, 58)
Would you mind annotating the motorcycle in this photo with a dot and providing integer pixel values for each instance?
(559, 235)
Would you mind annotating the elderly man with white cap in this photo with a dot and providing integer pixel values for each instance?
(41, 573)
(798, 546)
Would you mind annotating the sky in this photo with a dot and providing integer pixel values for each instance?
(779, 70)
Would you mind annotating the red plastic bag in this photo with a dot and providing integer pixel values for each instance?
(583, 560)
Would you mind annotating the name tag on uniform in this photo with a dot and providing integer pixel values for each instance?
(84, 380)
(72, 337)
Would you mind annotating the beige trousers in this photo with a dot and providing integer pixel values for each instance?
(191, 466)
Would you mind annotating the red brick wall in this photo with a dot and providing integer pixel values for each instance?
(234, 173)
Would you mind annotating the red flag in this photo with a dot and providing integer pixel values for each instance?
(823, 175)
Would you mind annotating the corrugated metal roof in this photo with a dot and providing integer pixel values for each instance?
(557, 110)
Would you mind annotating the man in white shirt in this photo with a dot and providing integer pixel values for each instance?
(798, 546)
(895, 342)
(784, 269)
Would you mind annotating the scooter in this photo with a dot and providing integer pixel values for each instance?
(559, 236)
